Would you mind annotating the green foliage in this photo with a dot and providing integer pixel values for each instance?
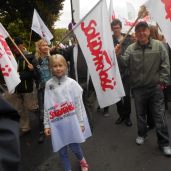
(58, 35)
(16, 16)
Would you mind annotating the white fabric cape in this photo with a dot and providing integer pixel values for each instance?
(64, 125)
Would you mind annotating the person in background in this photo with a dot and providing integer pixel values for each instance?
(123, 106)
(43, 74)
(9, 136)
(133, 38)
(23, 95)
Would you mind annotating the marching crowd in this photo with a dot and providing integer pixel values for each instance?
(144, 64)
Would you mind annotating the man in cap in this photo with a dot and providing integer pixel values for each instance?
(148, 63)
(23, 95)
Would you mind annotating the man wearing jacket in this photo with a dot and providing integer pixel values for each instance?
(149, 67)
(23, 95)
(123, 106)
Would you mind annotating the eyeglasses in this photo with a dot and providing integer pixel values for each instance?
(116, 28)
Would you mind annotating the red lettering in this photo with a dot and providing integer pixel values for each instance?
(62, 111)
(167, 8)
(95, 47)
(6, 47)
(51, 114)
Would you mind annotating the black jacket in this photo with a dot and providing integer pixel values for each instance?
(9, 136)
(26, 84)
(125, 44)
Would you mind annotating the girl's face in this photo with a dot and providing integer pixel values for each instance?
(58, 69)
(44, 48)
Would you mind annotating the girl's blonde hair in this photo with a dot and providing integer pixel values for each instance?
(154, 32)
(58, 58)
(38, 46)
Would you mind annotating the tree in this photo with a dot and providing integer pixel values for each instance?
(16, 16)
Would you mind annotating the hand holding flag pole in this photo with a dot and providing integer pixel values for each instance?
(142, 11)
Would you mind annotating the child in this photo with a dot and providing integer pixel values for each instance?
(64, 117)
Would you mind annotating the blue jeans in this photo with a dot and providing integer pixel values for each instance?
(64, 155)
(155, 99)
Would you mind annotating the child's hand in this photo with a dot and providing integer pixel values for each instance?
(47, 131)
(82, 128)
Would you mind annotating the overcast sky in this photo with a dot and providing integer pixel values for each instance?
(86, 5)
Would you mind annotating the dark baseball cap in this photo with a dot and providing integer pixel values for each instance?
(141, 24)
(17, 40)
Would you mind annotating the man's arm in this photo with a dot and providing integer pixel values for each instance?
(123, 60)
(164, 66)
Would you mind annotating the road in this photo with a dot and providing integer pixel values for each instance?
(111, 148)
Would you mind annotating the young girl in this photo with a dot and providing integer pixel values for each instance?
(64, 116)
(41, 65)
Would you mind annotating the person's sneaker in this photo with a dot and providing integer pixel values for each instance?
(120, 120)
(83, 164)
(99, 109)
(128, 122)
(166, 150)
(140, 140)
(105, 113)
(41, 137)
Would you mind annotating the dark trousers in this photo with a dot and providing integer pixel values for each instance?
(9, 144)
(41, 108)
(89, 101)
(155, 99)
(124, 106)
(150, 120)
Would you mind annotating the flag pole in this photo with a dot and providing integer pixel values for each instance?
(132, 26)
(19, 50)
(64, 37)
(30, 40)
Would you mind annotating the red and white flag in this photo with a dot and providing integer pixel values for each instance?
(40, 28)
(160, 10)
(8, 65)
(94, 36)
(111, 12)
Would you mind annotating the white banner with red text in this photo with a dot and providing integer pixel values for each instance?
(94, 36)
(8, 66)
(160, 11)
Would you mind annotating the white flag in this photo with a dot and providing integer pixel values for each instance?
(131, 11)
(3, 31)
(40, 28)
(94, 36)
(8, 66)
(160, 10)
(111, 12)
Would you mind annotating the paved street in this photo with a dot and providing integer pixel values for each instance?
(111, 148)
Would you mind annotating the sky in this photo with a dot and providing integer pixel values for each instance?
(86, 5)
